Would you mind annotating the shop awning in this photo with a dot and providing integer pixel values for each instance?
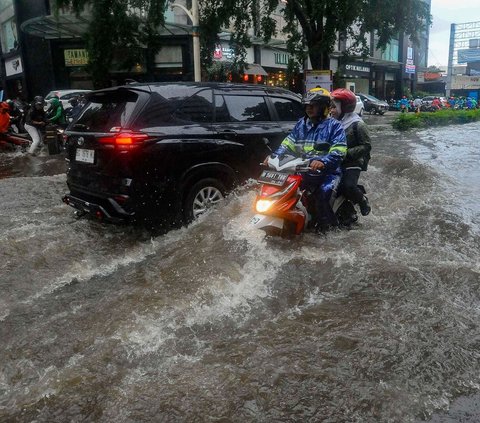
(255, 69)
(71, 26)
(52, 27)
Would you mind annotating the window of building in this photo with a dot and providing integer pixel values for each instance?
(9, 36)
(391, 51)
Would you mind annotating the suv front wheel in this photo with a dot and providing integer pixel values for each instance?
(202, 196)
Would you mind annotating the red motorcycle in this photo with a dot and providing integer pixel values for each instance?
(284, 208)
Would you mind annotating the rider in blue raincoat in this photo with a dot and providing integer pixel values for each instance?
(322, 139)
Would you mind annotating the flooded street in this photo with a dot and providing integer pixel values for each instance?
(215, 322)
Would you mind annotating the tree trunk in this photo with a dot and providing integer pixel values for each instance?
(320, 61)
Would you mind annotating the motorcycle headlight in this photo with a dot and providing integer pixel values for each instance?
(263, 205)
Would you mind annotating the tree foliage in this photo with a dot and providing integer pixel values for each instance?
(121, 28)
(244, 19)
(314, 25)
(118, 29)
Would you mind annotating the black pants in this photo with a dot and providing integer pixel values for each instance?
(349, 185)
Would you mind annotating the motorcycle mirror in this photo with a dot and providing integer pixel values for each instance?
(266, 141)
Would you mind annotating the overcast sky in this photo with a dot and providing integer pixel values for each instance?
(444, 13)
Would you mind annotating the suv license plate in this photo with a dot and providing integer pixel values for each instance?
(273, 178)
(83, 155)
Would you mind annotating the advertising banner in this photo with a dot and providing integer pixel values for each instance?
(464, 82)
(318, 78)
(75, 57)
(469, 55)
(13, 66)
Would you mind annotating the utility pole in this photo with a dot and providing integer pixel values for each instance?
(194, 17)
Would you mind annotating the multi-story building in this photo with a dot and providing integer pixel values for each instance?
(463, 77)
(386, 74)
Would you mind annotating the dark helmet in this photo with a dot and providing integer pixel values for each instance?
(346, 98)
(319, 96)
(38, 99)
(74, 101)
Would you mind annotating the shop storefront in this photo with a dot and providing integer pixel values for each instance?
(275, 62)
(355, 76)
(465, 86)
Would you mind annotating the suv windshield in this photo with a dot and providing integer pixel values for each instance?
(106, 110)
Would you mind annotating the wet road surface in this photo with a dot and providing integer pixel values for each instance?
(214, 322)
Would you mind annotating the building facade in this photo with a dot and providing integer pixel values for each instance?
(463, 74)
(42, 52)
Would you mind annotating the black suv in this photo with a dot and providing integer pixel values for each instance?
(160, 151)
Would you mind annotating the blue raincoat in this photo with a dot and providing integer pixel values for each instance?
(326, 142)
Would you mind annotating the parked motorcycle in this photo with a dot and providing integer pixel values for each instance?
(284, 208)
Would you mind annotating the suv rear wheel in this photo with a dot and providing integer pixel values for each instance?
(202, 196)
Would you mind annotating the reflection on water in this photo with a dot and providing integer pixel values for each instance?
(216, 322)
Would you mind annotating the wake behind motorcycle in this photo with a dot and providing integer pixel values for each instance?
(285, 208)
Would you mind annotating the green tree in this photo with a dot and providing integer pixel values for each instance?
(434, 69)
(118, 29)
(313, 25)
(246, 19)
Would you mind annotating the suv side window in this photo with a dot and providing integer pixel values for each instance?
(247, 108)
(221, 111)
(288, 110)
(198, 108)
(157, 112)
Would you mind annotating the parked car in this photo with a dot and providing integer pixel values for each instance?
(169, 151)
(65, 96)
(359, 107)
(373, 105)
(427, 101)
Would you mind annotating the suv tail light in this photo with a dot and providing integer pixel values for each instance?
(125, 139)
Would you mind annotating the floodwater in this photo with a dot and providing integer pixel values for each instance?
(215, 322)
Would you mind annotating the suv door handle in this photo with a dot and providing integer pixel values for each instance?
(228, 132)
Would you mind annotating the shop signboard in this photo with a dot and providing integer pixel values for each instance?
(13, 66)
(357, 68)
(465, 82)
(410, 67)
(318, 78)
(75, 57)
(222, 53)
(409, 53)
